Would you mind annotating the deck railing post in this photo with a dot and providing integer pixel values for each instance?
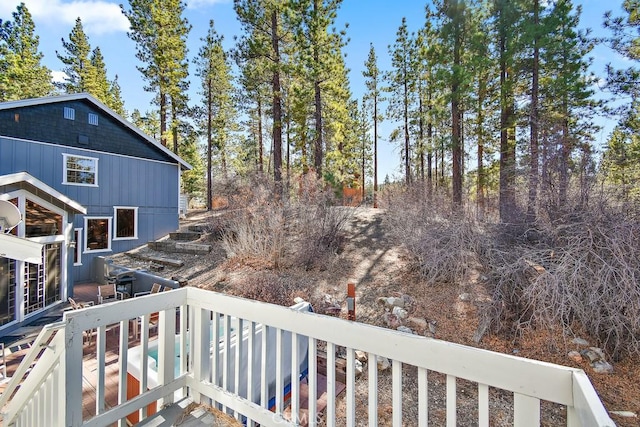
(71, 368)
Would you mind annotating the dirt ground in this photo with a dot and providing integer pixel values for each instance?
(380, 268)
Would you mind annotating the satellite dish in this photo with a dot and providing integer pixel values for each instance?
(9, 216)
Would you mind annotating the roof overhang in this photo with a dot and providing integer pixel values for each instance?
(35, 186)
(21, 249)
(86, 96)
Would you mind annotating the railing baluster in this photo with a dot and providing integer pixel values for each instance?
(239, 351)
(396, 391)
(331, 384)
(279, 373)
(312, 382)
(226, 358)
(264, 383)
(451, 401)
(423, 397)
(251, 349)
(295, 380)
(373, 389)
(166, 350)
(144, 360)
(122, 375)
(101, 338)
(215, 347)
(483, 405)
(526, 410)
(351, 387)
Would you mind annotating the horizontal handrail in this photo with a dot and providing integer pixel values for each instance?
(535, 380)
(25, 365)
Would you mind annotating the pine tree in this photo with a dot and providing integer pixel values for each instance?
(21, 73)
(218, 114)
(160, 34)
(263, 20)
(400, 81)
(79, 71)
(373, 97)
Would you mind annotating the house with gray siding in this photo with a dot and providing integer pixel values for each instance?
(87, 183)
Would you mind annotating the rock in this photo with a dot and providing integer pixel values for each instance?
(391, 320)
(432, 326)
(361, 356)
(391, 302)
(599, 352)
(298, 300)
(358, 368)
(625, 414)
(418, 322)
(404, 329)
(408, 300)
(602, 367)
(590, 355)
(465, 297)
(383, 363)
(580, 341)
(575, 356)
(401, 313)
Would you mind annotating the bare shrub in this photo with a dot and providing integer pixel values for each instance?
(269, 287)
(589, 275)
(444, 246)
(298, 231)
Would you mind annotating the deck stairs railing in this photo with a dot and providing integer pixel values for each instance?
(202, 355)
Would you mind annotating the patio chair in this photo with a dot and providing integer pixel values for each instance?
(109, 292)
(154, 290)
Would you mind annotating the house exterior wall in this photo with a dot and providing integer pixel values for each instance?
(150, 186)
(132, 172)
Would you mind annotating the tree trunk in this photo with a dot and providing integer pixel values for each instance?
(260, 141)
(277, 104)
(209, 147)
(533, 123)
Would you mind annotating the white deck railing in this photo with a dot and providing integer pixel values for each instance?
(206, 374)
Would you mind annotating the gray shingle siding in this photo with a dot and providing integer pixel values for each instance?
(46, 123)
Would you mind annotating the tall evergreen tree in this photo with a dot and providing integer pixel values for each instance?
(373, 98)
(21, 73)
(160, 33)
(400, 81)
(218, 114)
(76, 57)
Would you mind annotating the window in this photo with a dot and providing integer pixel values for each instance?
(97, 235)
(40, 221)
(69, 113)
(80, 170)
(126, 222)
(93, 119)
(77, 246)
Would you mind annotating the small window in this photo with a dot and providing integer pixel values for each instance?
(69, 113)
(16, 118)
(93, 119)
(77, 246)
(126, 222)
(79, 170)
(97, 235)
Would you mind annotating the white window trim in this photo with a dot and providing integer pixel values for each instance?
(92, 118)
(65, 156)
(69, 113)
(135, 222)
(79, 242)
(85, 248)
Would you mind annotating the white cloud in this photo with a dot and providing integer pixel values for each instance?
(195, 4)
(98, 17)
(58, 76)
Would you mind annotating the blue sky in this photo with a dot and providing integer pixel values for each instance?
(370, 21)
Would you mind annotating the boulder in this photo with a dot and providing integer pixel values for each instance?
(400, 313)
(383, 363)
